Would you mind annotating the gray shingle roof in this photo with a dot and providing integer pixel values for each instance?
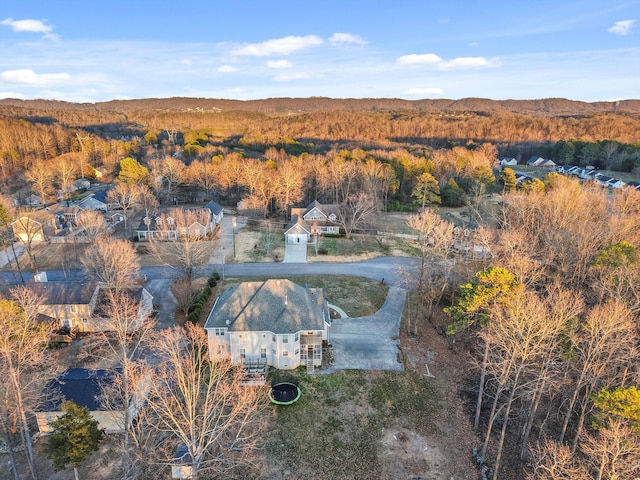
(213, 207)
(65, 293)
(278, 306)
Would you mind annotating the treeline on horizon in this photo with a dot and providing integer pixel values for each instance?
(410, 141)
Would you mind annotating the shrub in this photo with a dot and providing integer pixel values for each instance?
(323, 251)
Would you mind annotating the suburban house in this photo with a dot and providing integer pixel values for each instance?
(296, 232)
(95, 201)
(174, 223)
(82, 305)
(316, 219)
(508, 162)
(274, 322)
(541, 162)
(217, 212)
(34, 226)
(85, 388)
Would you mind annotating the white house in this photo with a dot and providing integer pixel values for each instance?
(508, 162)
(316, 219)
(274, 322)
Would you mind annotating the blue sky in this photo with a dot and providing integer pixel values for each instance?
(85, 51)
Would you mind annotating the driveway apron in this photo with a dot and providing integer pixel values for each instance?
(295, 253)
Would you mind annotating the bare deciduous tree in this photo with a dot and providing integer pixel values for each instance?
(356, 212)
(24, 365)
(200, 403)
(93, 224)
(190, 248)
(124, 195)
(112, 262)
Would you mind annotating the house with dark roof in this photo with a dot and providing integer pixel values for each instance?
(274, 322)
(82, 306)
(316, 219)
(86, 388)
(217, 212)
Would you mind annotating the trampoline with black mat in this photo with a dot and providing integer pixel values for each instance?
(284, 390)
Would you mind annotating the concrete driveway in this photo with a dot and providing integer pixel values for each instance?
(295, 253)
(370, 343)
(164, 301)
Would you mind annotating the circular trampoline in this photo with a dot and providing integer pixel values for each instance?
(284, 393)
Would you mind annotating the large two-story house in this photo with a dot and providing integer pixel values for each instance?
(274, 322)
(316, 219)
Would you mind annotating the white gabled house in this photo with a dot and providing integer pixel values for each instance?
(274, 322)
(508, 162)
(316, 219)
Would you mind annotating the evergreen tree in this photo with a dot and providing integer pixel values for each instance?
(132, 171)
(74, 435)
(427, 190)
(452, 195)
(508, 178)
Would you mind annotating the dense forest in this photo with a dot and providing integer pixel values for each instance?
(405, 139)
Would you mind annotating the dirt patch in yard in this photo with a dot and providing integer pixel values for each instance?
(406, 454)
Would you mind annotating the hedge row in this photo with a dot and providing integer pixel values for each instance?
(196, 307)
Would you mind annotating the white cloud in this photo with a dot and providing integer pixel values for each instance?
(424, 91)
(422, 59)
(278, 46)
(473, 44)
(623, 27)
(287, 77)
(441, 64)
(227, 69)
(30, 78)
(467, 62)
(28, 25)
(338, 39)
(186, 61)
(279, 64)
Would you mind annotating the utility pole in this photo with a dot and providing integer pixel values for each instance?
(233, 230)
(222, 261)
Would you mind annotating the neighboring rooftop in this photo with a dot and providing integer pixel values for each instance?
(65, 293)
(80, 385)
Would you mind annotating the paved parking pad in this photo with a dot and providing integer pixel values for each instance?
(370, 343)
(295, 253)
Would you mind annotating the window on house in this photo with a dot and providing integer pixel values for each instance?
(297, 338)
(273, 350)
(219, 331)
(285, 339)
(85, 320)
(263, 353)
(243, 353)
(297, 352)
(74, 308)
(273, 337)
(239, 336)
(285, 353)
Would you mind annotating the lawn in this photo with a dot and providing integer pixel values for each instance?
(357, 296)
(336, 428)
